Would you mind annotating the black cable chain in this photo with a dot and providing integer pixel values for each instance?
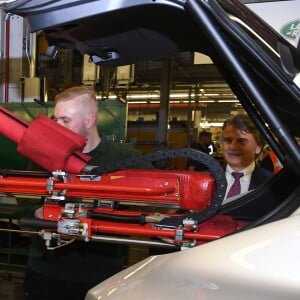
(214, 167)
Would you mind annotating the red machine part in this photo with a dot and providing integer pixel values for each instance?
(185, 190)
(58, 147)
(214, 228)
(181, 189)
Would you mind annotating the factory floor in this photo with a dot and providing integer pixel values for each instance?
(11, 287)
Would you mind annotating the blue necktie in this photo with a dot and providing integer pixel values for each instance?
(236, 186)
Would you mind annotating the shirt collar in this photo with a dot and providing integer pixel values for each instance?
(247, 171)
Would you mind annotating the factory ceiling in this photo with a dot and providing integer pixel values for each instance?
(200, 83)
(187, 79)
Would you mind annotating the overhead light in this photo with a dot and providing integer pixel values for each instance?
(228, 101)
(210, 124)
(142, 96)
(110, 97)
(138, 102)
(181, 95)
(144, 102)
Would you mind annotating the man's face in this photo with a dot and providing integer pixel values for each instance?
(205, 140)
(239, 148)
(68, 115)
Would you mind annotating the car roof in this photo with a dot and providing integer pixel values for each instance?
(259, 65)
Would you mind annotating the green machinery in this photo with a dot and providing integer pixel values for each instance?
(112, 124)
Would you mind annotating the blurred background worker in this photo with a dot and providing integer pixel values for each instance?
(70, 271)
(203, 144)
(242, 143)
(271, 162)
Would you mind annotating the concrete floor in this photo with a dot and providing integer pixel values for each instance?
(11, 287)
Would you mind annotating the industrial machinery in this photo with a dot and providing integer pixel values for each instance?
(112, 204)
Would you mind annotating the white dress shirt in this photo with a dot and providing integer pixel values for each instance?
(245, 180)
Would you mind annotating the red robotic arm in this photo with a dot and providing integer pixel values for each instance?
(38, 141)
(121, 203)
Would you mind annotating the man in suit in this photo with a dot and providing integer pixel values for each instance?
(242, 143)
(204, 141)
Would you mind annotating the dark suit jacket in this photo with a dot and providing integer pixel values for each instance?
(260, 205)
(259, 176)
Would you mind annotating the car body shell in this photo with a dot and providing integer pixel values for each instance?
(261, 263)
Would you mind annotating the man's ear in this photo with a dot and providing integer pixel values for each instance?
(258, 149)
(90, 120)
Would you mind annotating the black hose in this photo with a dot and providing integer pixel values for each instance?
(38, 223)
(214, 167)
(141, 219)
(22, 173)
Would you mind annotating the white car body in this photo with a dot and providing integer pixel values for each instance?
(261, 263)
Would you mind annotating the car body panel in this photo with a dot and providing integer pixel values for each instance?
(262, 263)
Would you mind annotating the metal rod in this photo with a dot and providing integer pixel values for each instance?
(19, 231)
(131, 241)
(108, 239)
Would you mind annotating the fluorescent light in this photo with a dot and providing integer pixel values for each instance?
(110, 97)
(181, 95)
(138, 102)
(142, 96)
(210, 124)
(228, 101)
